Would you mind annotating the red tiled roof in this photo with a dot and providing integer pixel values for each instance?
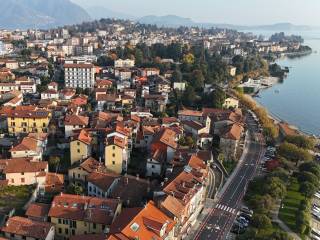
(27, 227)
(190, 113)
(233, 132)
(38, 210)
(84, 208)
(76, 120)
(102, 180)
(118, 141)
(149, 223)
(27, 144)
(19, 165)
(166, 136)
(90, 165)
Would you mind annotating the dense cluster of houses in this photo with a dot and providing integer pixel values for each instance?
(138, 177)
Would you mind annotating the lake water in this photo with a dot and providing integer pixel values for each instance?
(297, 99)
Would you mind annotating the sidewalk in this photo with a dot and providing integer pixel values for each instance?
(208, 207)
(283, 226)
(239, 165)
(210, 203)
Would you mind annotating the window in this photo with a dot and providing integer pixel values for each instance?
(94, 226)
(73, 232)
(113, 163)
(34, 124)
(113, 155)
(12, 180)
(78, 143)
(78, 150)
(44, 124)
(22, 173)
(60, 230)
(66, 231)
(59, 220)
(152, 166)
(22, 180)
(113, 147)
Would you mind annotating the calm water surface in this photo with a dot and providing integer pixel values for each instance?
(297, 99)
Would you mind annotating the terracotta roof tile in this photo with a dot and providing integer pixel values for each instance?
(27, 227)
(76, 120)
(84, 208)
(38, 210)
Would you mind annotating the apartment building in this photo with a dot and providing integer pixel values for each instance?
(79, 75)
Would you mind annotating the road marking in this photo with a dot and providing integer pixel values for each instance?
(225, 208)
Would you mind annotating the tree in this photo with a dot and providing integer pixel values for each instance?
(261, 204)
(138, 55)
(261, 221)
(104, 61)
(301, 141)
(197, 79)
(280, 235)
(294, 153)
(189, 97)
(190, 142)
(75, 189)
(307, 189)
(281, 173)
(188, 59)
(177, 76)
(54, 161)
(218, 98)
(312, 167)
(275, 187)
(308, 177)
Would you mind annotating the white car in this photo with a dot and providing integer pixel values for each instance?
(315, 237)
(315, 232)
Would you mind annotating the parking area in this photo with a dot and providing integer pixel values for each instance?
(315, 221)
(242, 221)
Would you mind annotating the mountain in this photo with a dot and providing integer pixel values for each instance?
(282, 27)
(167, 21)
(98, 12)
(40, 13)
(176, 21)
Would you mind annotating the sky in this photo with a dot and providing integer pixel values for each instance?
(245, 12)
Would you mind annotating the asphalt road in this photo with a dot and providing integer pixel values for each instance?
(219, 221)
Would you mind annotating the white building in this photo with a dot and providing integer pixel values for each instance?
(127, 63)
(79, 75)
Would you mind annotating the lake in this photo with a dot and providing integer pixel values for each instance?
(297, 99)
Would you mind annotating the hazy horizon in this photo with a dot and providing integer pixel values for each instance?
(244, 12)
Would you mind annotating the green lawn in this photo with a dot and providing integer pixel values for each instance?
(229, 166)
(14, 197)
(290, 205)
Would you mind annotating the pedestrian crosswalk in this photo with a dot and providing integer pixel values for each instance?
(226, 208)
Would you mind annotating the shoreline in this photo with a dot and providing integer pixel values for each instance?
(278, 120)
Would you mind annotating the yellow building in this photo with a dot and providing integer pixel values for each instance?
(116, 154)
(24, 121)
(78, 215)
(231, 103)
(80, 147)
